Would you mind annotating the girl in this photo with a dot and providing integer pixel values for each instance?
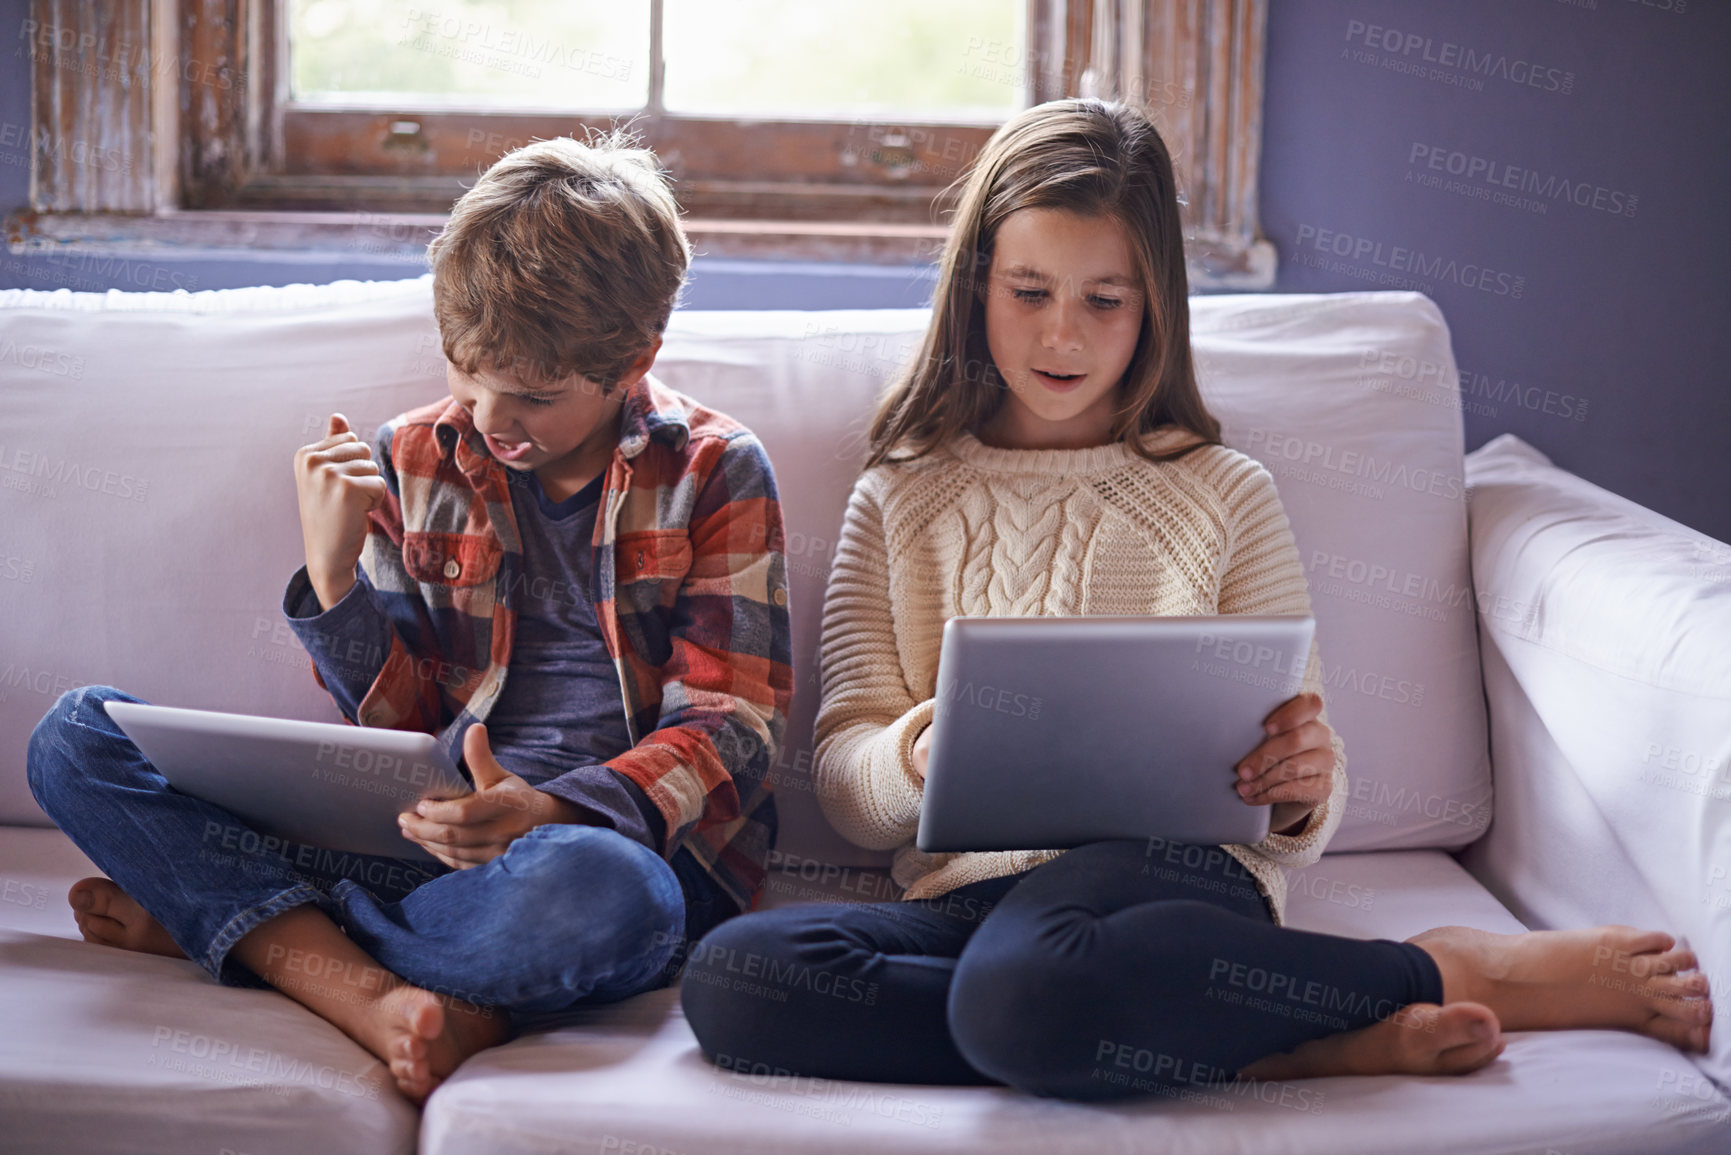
(1048, 453)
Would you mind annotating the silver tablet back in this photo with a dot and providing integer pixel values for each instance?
(1050, 732)
(320, 783)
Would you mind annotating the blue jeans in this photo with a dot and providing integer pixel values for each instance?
(1117, 970)
(567, 914)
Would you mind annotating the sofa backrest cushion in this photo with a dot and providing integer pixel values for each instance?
(1607, 637)
(1352, 402)
(146, 488)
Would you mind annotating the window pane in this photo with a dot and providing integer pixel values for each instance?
(948, 59)
(528, 53)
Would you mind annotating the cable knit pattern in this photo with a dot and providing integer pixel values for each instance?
(973, 529)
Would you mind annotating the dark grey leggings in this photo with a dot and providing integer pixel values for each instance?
(1117, 969)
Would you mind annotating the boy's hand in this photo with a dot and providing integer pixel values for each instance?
(1293, 767)
(477, 827)
(338, 483)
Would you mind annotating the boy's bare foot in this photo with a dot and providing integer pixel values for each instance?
(420, 1036)
(1607, 977)
(108, 915)
(1421, 1039)
(423, 1037)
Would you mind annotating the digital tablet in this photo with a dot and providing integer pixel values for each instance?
(325, 784)
(1050, 732)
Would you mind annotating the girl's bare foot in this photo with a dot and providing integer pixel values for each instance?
(423, 1037)
(1421, 1039)
(108, 915)
(1607, 977)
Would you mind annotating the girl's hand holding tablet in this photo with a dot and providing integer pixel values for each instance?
(1293, 767)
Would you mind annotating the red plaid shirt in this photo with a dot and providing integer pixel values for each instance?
(692, 603)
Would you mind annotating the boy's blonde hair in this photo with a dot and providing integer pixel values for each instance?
(1088, 157)
(565, 257)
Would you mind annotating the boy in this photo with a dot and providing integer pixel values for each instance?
(569, 572)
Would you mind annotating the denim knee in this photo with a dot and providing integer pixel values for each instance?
(75, 710)
(586, 871)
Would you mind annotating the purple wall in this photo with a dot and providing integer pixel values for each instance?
(1555, 175)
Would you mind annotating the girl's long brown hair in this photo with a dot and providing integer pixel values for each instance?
(1088, 157)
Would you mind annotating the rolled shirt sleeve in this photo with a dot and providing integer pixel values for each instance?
(348, 642)
(608, 798)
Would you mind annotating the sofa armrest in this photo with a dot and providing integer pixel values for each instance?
(1605, 630)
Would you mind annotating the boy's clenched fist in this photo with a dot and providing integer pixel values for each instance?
(338, 483)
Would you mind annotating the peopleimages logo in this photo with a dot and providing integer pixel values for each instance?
(41, 359)
(64, 471)
(1496, 175)
(1273, 448)
(1446, 55)
(1565, 405)
(1414, 263)
(998, 698)
(20, 142)
(1388, 578)
(477, 42)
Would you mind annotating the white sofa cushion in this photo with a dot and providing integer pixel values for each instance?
(145, 446)
(631, 1079)
(85, 1026)
(1352, 402)
(104, 1052)
(1607, 637)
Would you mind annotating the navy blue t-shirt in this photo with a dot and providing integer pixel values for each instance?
(562, 713)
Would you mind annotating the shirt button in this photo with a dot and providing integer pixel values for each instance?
(779, 597)
(639, 559)
(452, 569)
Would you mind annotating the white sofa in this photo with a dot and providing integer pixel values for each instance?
(1579, 644)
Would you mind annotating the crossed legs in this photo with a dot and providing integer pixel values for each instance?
(1093, 977)
(422, 979)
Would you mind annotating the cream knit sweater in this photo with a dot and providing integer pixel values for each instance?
(974, 529)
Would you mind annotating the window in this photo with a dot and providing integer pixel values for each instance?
(790, 127)
(815, 115)
(773, 59)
